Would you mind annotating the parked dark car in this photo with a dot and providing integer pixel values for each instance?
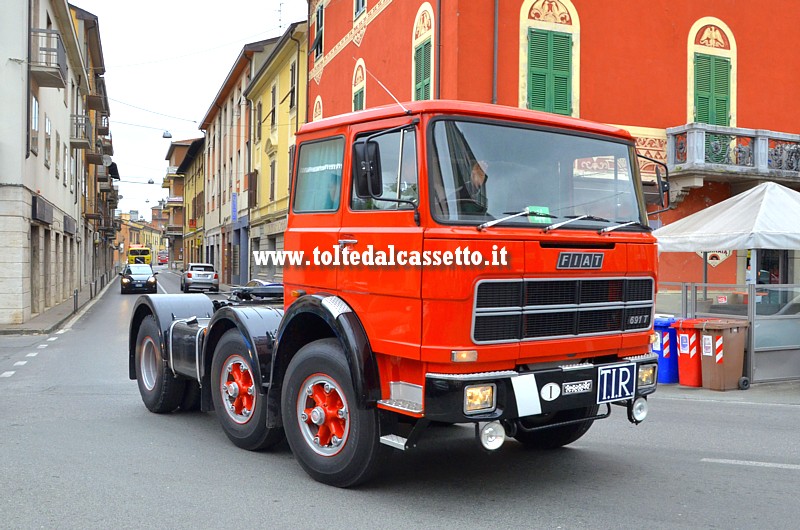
(138, 278)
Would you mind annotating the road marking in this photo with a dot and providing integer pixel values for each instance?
(750, 463)
(51, 339)
(725, 401)
(7, 374)
(42, 346)
(60, 331)
(20, 363)
(162, 289)
(32, 354)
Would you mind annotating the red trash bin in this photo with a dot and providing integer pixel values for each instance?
(688, 345)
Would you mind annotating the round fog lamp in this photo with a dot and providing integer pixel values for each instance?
(492, 435)
(637, 412)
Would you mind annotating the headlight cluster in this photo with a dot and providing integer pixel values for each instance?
(151, 279)
(126, 280)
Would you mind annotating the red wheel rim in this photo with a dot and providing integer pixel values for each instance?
(237, 389)
(323, 414)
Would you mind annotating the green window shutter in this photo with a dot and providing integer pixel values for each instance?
(422, 71)
(702, 88)
(358, 100)
(550, 71)
(722, 91)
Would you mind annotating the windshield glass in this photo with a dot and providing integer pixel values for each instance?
(140, 269)
(485, 171)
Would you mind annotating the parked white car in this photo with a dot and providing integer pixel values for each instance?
(200, 276)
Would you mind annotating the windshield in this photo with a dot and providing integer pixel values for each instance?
(139, 269)
(485, 171)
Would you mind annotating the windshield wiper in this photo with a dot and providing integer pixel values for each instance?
(527, 211)
(629, 223)
(573, 218)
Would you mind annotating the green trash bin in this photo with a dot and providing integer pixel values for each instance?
(722, 344)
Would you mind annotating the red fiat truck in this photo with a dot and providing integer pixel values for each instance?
(461, 263)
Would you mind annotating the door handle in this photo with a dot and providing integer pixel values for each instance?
(344, 242)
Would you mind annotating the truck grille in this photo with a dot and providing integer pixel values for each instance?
(514, 310)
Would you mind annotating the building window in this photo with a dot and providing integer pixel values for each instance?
(550, 71)
(273, 110)
(58, 158)
(258, 122)
(292, 85)
(359, 85)
(47, 141)
(319, 16)
(422, 71)
(34, 125)
(360, 7)
(272, 180)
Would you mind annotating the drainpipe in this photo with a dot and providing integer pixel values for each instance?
(297, 85)
(438, 47)
(28, 92)
(494, 57)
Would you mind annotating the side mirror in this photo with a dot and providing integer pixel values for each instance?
(121, 273)
(155, 273)
(367, 169)
(662, 183)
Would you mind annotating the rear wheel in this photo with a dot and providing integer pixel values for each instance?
(161, 391)
(238, 402)
(333, 440)
(557, 436)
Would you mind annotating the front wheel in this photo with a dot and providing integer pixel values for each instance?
(161, 391)
(557, 436)
(333, 440)
(240, 407)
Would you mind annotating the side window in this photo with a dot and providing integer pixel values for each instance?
(398, 171)
(319, 176)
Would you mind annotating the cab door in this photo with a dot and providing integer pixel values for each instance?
(385, 291)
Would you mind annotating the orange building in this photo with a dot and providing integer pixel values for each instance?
(703, 86)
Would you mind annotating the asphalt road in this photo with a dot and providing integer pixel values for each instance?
(78, 449)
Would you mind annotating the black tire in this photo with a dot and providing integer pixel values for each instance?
(191, 397)
(744, 383)
(231, 381)
(347, 450)
(557, 436)
(161, 391)
(184, 288)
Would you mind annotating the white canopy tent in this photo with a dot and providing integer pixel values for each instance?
(764, 217)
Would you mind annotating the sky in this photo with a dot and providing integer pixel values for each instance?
(165, 62)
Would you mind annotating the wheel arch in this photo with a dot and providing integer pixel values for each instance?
(320, 316)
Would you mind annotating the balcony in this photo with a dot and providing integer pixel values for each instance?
(80, 136)
(173, 230)
(697, 152)
(102, 174)
(48, 58)
(107, 144)
(174, 202)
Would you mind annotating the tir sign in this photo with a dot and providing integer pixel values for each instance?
(580, 260)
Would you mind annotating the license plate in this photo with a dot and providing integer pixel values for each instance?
(616, 382)
(138, 284)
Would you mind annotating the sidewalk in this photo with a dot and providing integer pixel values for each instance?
(52, 318)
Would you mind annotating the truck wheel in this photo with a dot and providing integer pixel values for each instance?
(557, 436)
(238, 403)
(161, 391)
(333, 440)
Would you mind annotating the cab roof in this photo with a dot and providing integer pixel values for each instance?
(466, 108)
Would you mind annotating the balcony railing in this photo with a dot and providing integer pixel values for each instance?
(699, 151)
(80, 136)
(173, 230)
(48, 58)
(102, 124)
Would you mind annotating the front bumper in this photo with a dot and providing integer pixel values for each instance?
(523, 394)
